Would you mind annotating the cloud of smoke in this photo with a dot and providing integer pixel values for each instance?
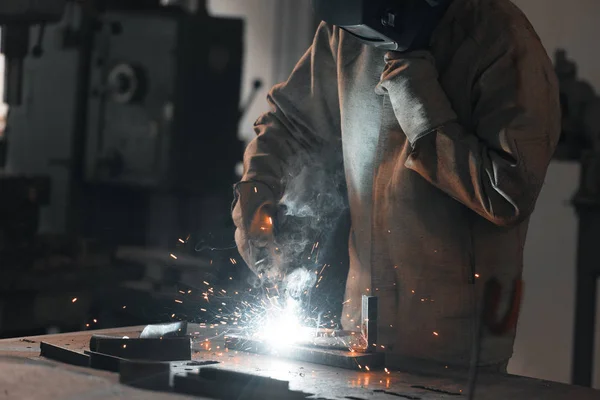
(298, 281)
(314, 198)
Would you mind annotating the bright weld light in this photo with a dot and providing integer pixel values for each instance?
(282, 327)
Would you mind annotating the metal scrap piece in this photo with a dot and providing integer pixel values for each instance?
(368, 324)
(225, 385)
(64, 355)
(103, 361)
(145, 375)
(175, 329)
(171, 349)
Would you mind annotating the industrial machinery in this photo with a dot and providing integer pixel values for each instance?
(118, 156)
(580, 142)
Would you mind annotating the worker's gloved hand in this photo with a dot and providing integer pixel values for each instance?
(255, 216)
(418, 100)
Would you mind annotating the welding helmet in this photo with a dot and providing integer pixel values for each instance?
(399, 25)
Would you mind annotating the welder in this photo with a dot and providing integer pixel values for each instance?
(447, 116)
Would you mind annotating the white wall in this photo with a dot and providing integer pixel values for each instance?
(278, 32)
(545, 333)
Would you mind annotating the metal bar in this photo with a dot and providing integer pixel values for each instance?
(61, 354)
(368, 324)
(103, 361)
(172, 349)
(331, 358)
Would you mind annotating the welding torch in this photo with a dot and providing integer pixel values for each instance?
(265, 253)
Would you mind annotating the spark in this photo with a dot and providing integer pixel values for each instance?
(476, 275)
(347, 301)
(181, 240)
(87, 325)
(206, 283)
(178, 301)
(124, 346)
(367, 368)
(181, 291)
(173, 256)
(95, 321)
(387, 371)
(124, 307)
(436, 334)
(74, 300)
(322, 269)
(203, 309)
(255, 189)
(172, 315)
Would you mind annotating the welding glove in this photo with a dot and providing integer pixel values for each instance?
(254, 214)
(419, 103)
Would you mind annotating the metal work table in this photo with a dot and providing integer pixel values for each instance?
(23, 374)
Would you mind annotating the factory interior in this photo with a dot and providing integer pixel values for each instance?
(122, 136)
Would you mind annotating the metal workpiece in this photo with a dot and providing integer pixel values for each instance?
(222, 384)
(368, 325)
(175, 329)
(171, 349)
(64, 355)
(145, 375)
(346, 359)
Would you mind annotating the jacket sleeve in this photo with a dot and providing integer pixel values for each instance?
(496, 165)
(303, 121)
(304, 117)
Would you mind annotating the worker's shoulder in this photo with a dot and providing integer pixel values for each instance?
(328, 35)
(342, 45)
(498, 22)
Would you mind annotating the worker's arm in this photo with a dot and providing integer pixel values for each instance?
(304, 121)
(496, 167)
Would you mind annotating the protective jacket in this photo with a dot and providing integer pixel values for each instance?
(444, 151)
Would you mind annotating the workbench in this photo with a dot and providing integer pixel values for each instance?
(26, 375)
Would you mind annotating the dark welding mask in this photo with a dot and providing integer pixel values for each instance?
(399, 25)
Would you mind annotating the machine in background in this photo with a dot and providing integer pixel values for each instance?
(121, 141)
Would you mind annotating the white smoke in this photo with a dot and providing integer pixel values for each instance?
(313, 200)
(298, 281)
